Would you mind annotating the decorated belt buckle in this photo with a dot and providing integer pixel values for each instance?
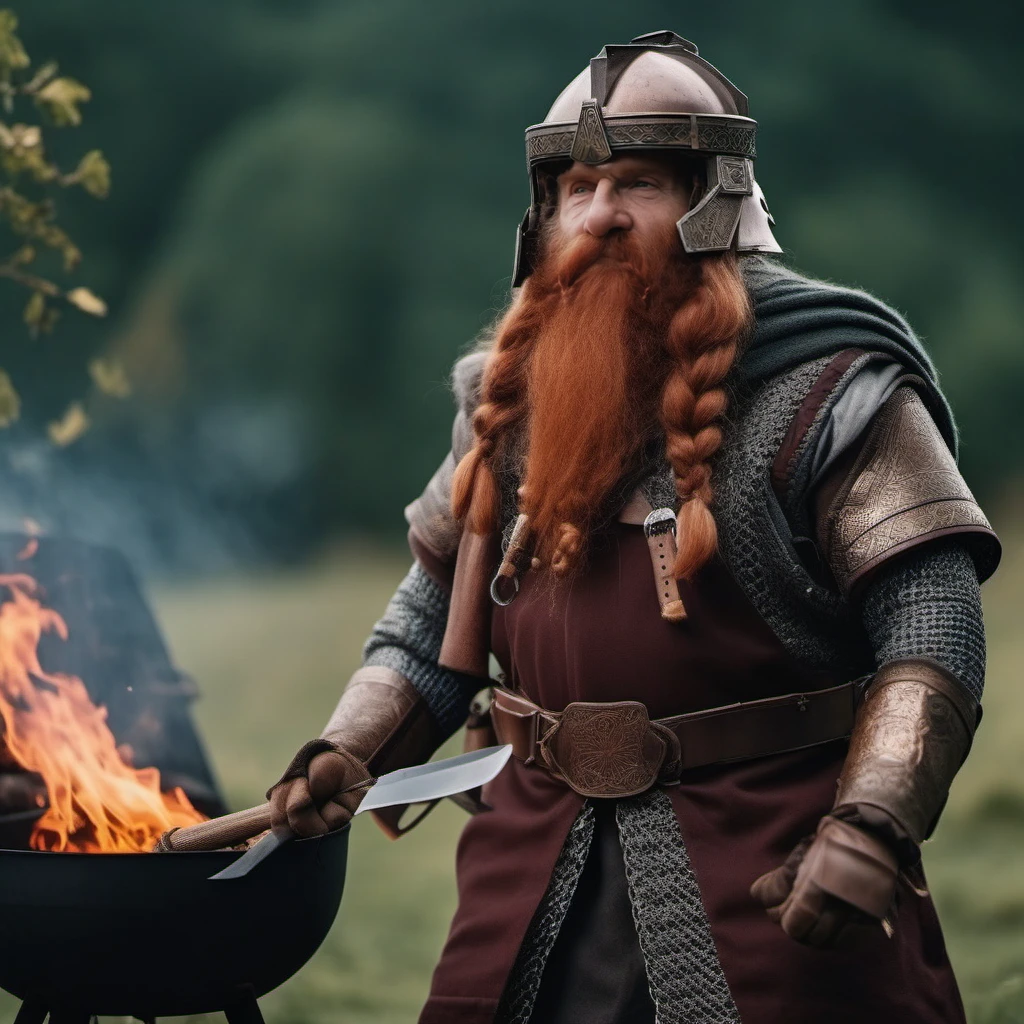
(604, 749)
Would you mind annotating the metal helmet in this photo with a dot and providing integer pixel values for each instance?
(656, 93)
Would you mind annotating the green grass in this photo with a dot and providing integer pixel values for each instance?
(271, 654)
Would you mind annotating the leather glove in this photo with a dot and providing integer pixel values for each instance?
(381, 723)
(839, 878)
(319, 791)
(912, 732)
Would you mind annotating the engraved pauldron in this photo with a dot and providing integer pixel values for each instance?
(913, 732)
(904, 489)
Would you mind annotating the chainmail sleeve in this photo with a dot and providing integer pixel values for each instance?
(928, 602)
(407, 639)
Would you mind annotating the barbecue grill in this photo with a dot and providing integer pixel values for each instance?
(144, 935)
(149, 935)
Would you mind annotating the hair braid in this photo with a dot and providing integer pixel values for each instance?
(703, 340)
(503, 404)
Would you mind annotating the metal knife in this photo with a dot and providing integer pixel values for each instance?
(432, 781)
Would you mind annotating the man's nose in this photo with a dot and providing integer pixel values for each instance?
(606, 211)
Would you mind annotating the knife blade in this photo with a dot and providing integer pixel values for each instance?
(436, 779)
(431, 781)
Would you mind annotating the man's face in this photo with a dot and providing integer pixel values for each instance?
(641, 194)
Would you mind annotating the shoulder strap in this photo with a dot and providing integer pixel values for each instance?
(784, 464)
(838, 409)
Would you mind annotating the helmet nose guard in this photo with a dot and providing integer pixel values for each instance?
(656, 94)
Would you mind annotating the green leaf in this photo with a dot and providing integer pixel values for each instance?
(54, 237)
(27, 136)
(35, 310)
(39, 316)
(10, 404)
(22, 151)
(93, 174)
(12, 54)
(110, 377)
(60, 99)
(70, 427)
(23, 256)
(39, 78)
(87, 302)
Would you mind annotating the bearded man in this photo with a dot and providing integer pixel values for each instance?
(705, 514)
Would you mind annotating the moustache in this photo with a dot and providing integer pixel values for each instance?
(639, 259)
(586, 251)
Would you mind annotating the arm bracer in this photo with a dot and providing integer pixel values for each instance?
(407, 639)
(915, 725)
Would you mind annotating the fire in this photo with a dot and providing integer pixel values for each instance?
(96, 802)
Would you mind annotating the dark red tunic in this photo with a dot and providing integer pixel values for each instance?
(601, 638)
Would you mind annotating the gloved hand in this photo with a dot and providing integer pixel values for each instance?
(912, 732)
(381, 723)
(833, 881)
(319, 791)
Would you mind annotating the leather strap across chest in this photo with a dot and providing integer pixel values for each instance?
(615, 750)
(660, 530)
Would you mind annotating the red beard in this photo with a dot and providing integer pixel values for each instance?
(610, 343)
(594, 377)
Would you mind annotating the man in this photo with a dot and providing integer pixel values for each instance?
(705, 514)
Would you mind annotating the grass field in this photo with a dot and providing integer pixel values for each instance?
(271, 654)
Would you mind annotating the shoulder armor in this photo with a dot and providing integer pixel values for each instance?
(903, 490)
(467, 379)
(430, 516)
(467, 382)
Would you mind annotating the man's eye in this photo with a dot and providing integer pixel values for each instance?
(578, 190)
(642, 183)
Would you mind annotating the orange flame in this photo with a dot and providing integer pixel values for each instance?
(97, 802)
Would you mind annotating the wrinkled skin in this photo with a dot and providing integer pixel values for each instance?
(639, 194)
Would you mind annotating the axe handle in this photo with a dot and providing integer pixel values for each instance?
(215, 834)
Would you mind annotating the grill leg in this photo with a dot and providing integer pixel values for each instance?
(245, 1011)
(31, 1011)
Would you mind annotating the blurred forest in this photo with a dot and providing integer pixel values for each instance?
(313, 209)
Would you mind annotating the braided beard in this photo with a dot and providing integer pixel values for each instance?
(595, 376)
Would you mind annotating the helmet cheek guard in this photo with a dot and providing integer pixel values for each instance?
(656, 94)
(756, 222)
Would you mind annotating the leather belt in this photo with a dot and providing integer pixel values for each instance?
(615, 750)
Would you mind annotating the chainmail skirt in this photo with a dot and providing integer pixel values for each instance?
(684, 977)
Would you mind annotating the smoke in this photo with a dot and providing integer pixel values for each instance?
(229, 492)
